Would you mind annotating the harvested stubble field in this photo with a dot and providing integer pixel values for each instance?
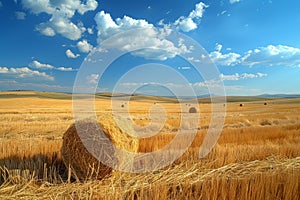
(256, 157)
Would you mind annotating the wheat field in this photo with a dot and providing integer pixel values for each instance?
(256, 157)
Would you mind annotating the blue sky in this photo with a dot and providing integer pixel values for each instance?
(255, 44)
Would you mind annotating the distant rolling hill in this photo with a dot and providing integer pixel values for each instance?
(140, 97)
(34, 94)
(280, 96)
(68, 96)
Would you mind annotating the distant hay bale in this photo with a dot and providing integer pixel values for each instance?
(265, 103)
(241, 105)
(122, 105)
(82, 163)
(192, 110)
(266, 122)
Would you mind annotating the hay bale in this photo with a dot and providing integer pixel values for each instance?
(82, 163)
(241, 105)
(192, 110)
(265, 103)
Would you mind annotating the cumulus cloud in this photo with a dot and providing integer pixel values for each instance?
(20, 15)
(61, 13)
(84, 46)
(45, 30)
(228, 59)
(237, 76)
(62, 25)
(144, 36)
(3, 70)
(25, 72)
(38, 65)
(279, 55)
(70, 54)
(271, 55)
(234, 1)
(107, 26)
(189, 23)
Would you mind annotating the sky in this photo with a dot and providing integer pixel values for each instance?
(254, 45)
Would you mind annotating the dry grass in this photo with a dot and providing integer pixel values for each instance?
(257, 155)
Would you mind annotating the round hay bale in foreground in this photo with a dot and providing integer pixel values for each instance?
(81, 162)
(192, 110)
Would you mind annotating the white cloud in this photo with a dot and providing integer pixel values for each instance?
(189, 23)
(236, 76)
(218, 47)
(222, 13)
(61, 12)
(199, 10)
(3, 70)
(92, 79)
(68, 7)
(90, 31)
(229, 59)
(70, 54)
(107, 26)
(186, 24)
(84, 46)
(1, 5)
(261, 74)
(25, 72)
(250, 76)
(60, 24)
(43, 29)
(232, 77)
(90, 5)
(20, 15)
(234, 1)
(66, 69)
(144, 36)
(38, 6)
(38, 65)
(272, 56)
(161, 22)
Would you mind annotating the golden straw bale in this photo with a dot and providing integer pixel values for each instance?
(192, 110)
(100, 139)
